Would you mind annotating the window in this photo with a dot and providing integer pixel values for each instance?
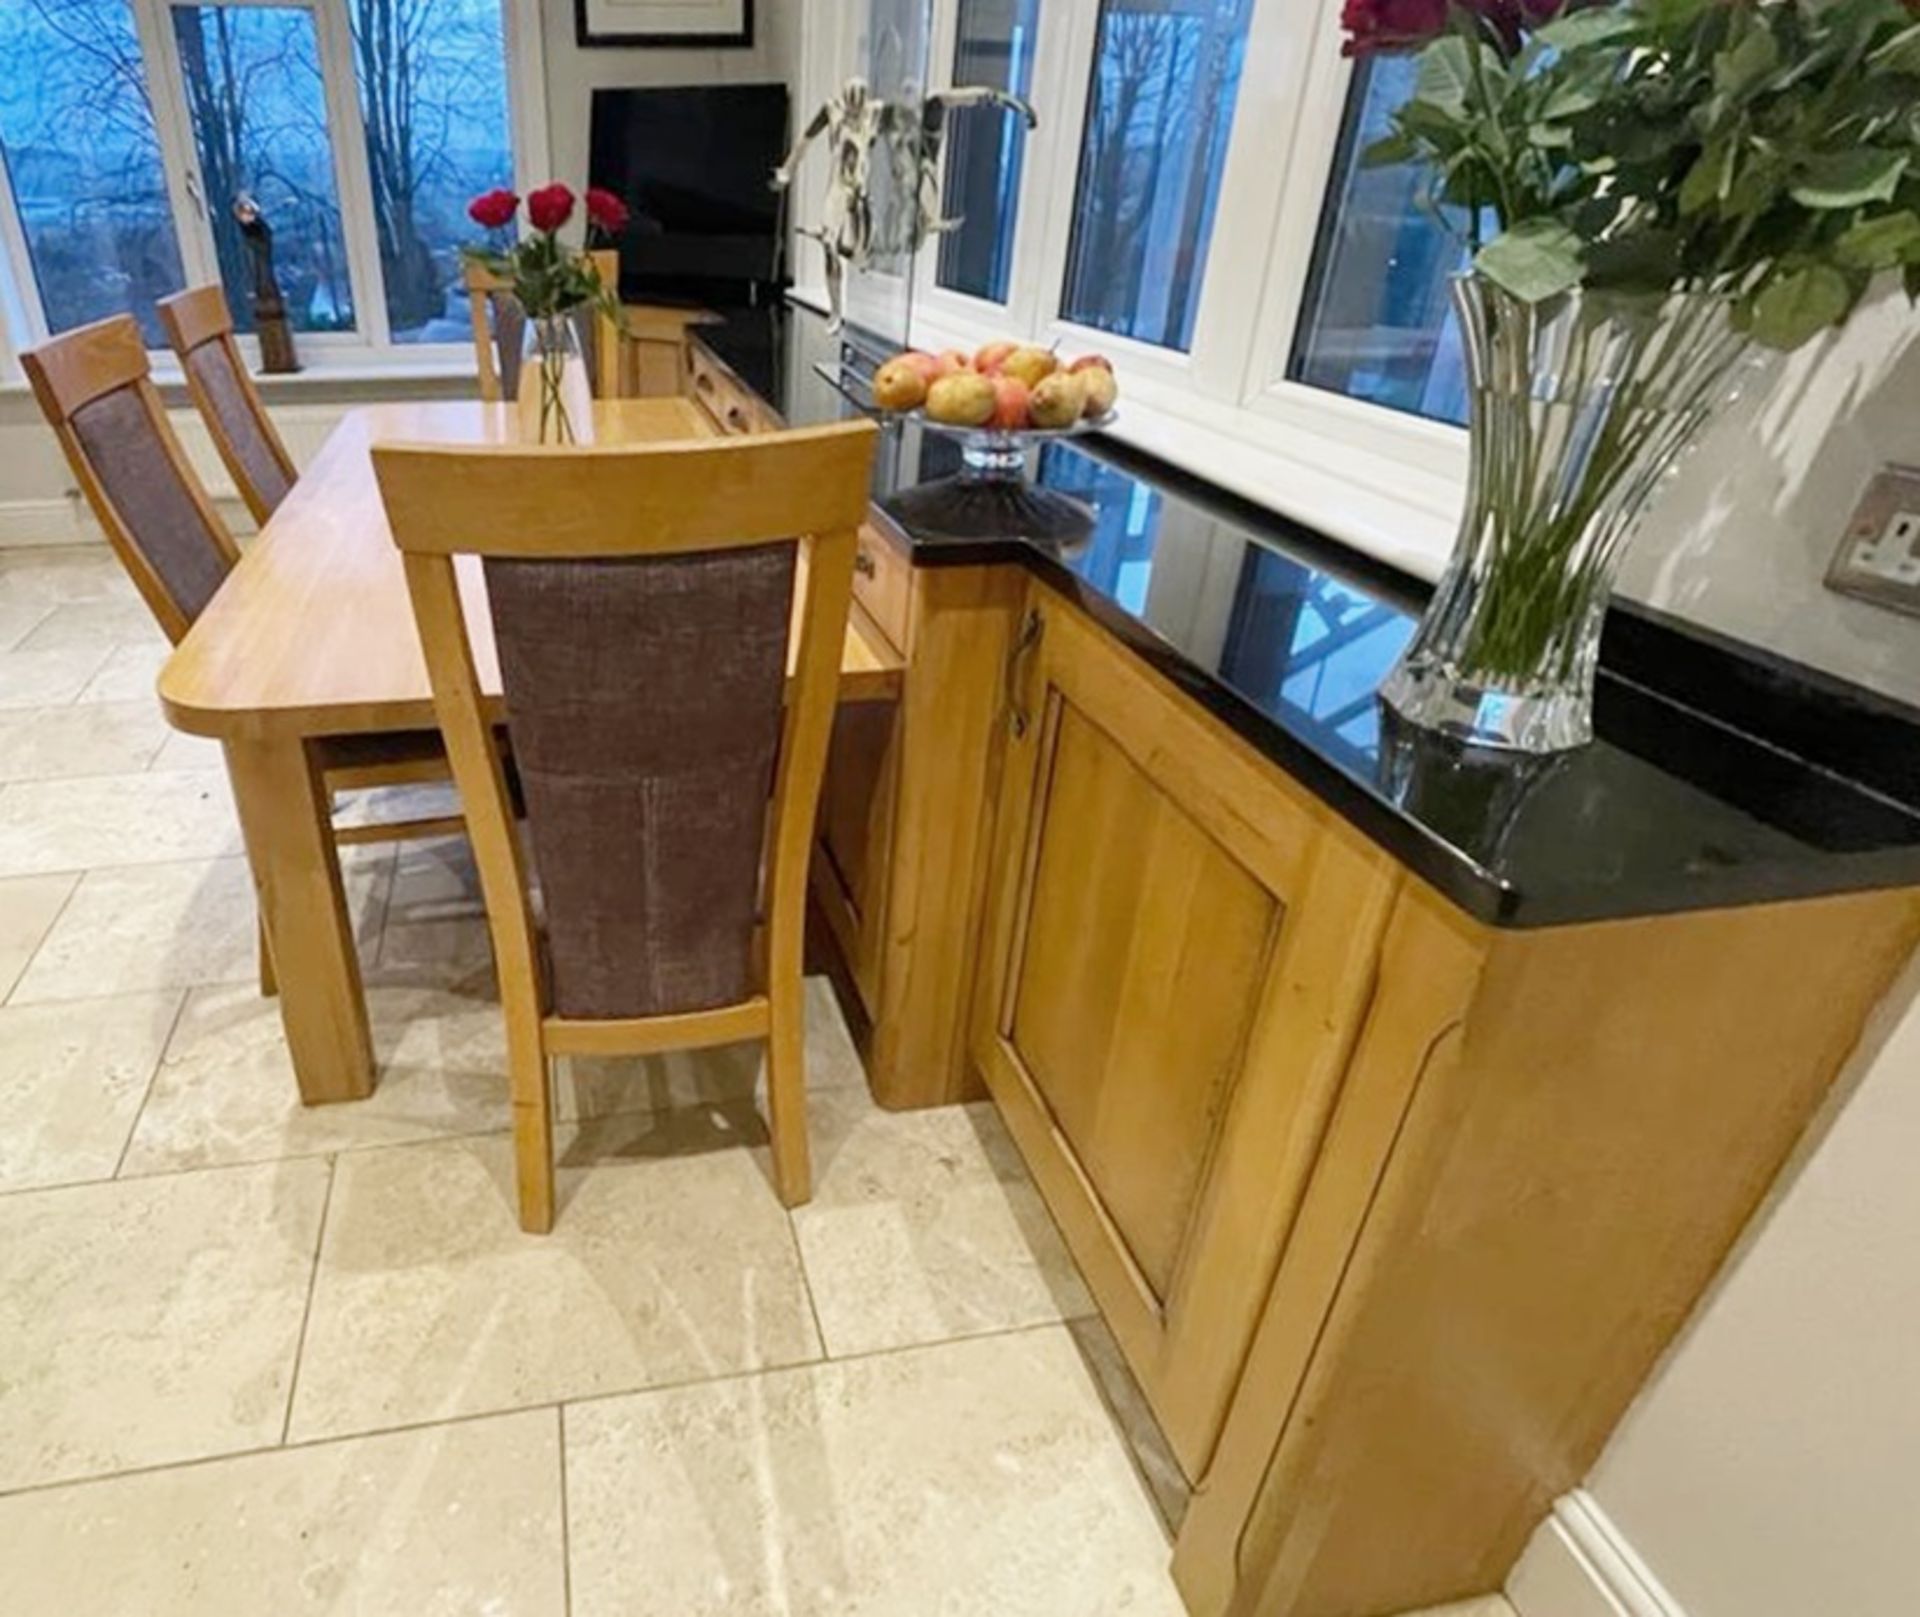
(985, 145)
(1376, 323)
(1159, 111)
(259, 109)
(434, 99)
(129, 129)
(77, 134)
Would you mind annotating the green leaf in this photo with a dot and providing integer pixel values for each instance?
(1398, 147)
(1710, 179)
(1912, 278)
(1444, 77)
(1900, 54)
(1798, 307)
(1739, 69)
(1879, 244)
(1639, 261)
(1849, 179)
(1535, 260)
(1550, 137)
(1579, 29)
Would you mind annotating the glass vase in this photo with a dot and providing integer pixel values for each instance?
(1580, 406)
(556, 398)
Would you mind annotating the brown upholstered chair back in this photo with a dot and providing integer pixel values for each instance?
(500, 329)
(200, 327)
(93, 384)
(642, 606)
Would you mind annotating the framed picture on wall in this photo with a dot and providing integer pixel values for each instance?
(663, 22)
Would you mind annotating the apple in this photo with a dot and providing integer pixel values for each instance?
(900, 385)
(952, 362)
(1091, 361)
(1031, 365)
(1103, 392)
(964, 399)
(1010, 401)
(1058, 400)
(990, 358)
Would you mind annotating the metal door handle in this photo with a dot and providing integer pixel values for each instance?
(1032, 626)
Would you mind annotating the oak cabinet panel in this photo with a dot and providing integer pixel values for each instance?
(1180, 948)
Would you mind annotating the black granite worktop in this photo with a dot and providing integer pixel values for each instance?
(1718, 776)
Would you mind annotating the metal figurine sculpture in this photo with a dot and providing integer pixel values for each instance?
(856, 122)
(277, 357)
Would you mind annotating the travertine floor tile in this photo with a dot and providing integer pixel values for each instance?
(455, 955)
(450, 1521)
(47, 678)
(978, 1477)
(54, 574)
(138, 927)
(128, 675)
(924, 1227)
(148, 1321)
(89, 738)
(112, 620)
(183, 751)
(431, 1302)
(226, 1090)
(144, 819)
(71, 1079)
(19, 618)
(29, 905)
(435, 880)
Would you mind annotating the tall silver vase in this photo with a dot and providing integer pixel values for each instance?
(1580, 405)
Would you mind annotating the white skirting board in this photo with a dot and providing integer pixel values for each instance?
(1578, 1565)
(65, 520)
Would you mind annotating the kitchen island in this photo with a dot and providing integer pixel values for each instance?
(1397, 1101)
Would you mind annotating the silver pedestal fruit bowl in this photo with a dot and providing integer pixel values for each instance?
(991, 496)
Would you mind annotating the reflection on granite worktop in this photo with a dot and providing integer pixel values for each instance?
(1287, 636)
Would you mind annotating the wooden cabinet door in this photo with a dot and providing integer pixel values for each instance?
(1180, 948)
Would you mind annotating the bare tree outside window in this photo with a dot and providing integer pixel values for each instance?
(258, 102)
(433, 94)
(1159, 113)
(77, 136)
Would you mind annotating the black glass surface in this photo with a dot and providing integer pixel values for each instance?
(1287, 636)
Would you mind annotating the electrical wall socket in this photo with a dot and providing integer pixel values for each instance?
(1879, 555)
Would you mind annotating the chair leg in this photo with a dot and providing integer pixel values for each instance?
(787, 1092)
(533, 1139)
(269, 983)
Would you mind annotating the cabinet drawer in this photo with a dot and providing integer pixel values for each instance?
(732, 408)
(883, 584)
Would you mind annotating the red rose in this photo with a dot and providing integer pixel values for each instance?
(550, 207)
(606, 210)
(1385, 25)
(492, 209)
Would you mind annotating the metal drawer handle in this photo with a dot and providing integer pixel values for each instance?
(1032, 626)
(863, 564)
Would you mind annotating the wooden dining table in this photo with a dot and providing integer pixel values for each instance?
(311, 639)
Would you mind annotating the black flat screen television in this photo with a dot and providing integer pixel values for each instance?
(692, 165)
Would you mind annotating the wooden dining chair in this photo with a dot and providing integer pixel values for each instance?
(643, 609)
(200, 327)
(500, 327)
(95, 387)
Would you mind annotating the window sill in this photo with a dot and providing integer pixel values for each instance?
(364, 377)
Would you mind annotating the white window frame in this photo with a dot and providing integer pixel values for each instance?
(1384, 480)
(327, 355)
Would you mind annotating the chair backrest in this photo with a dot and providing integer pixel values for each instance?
(643, 608)
(94, 387)
(500, 328)
(200, 326)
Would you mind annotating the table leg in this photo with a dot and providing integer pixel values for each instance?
(286, 816)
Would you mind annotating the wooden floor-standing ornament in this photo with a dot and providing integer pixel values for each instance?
(277, 357)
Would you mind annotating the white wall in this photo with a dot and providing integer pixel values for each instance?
(1742, 535)
(573, 74)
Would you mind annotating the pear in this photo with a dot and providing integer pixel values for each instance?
(990, 358)
(1058, 400)
(1103, 392)
(1030, 365)
(900, 385)
(964, 399)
